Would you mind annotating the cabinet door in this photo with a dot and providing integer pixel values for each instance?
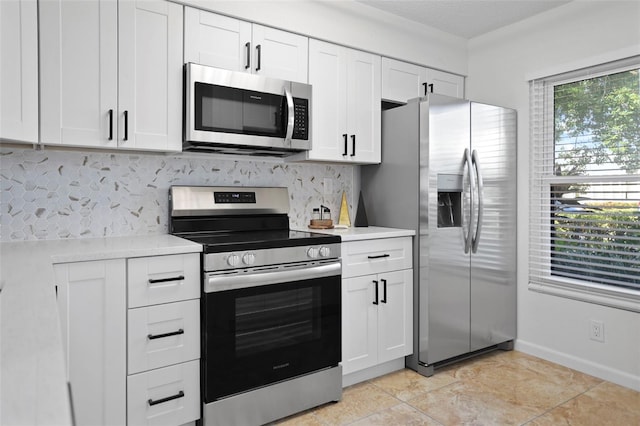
(360, 324)
(445, 83)
(19, 70)
(402, 81)
(395, 315)
(279, 54)
(92, 306)
(328, 76)
(363, 107)
(79, 72)
(150, 75)
(216, 40)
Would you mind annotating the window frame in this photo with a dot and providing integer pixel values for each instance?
(542, 176)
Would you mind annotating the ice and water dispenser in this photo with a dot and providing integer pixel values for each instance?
(449, 200)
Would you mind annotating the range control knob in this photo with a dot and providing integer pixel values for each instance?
(313, 252)
(325, 251)
(233, 260)
(249, 258)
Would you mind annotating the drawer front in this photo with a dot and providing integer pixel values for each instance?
(167, 396)
(375, 256)
(163, 279)
(163, 335)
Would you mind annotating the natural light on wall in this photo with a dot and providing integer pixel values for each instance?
(585, 185)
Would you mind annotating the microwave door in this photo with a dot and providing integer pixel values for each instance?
(263, 114)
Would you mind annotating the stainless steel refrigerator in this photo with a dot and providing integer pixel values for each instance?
(449, 171)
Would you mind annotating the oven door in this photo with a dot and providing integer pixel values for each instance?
(270, 331)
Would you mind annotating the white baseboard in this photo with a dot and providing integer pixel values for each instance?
(585, 366)
(372, 372)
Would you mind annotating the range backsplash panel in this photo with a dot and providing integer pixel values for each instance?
(53, 194)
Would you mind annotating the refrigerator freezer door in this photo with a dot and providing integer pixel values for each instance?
(493, 270)
(447, 275)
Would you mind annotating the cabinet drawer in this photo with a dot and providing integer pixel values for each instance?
(163, 279)
(163, 335)
(375, 256)
(167, 396)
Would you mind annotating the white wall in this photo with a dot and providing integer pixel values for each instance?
(351, 24)
(579, 34)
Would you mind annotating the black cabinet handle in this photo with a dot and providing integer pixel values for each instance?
(259, 50)
(384, 291)
(160, 336)
(248, 63)
(353, 140)
(375, 302)
(380, 256)
(110, 124)
(126, 126)
(428, 88)
(345, 144)
(164, 280)
(169, 398)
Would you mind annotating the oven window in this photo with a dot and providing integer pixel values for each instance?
(275, 320)
(232, 110)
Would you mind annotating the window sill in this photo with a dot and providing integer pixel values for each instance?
(619, 298)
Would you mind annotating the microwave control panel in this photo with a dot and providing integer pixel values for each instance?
(300, 119)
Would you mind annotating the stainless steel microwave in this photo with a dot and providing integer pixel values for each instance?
(239, 113)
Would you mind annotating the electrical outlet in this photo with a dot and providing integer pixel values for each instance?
(596, 331)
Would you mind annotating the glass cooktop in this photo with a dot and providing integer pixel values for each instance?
(218, 242)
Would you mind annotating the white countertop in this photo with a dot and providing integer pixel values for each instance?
(365, 233)
(33, 389)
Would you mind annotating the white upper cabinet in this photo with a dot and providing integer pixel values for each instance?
(345, 106)
(445, 83)
(402, 81)
(111, 74)
(19, 70)
(236, 45)
(150, 75)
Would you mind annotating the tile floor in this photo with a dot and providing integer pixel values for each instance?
(499, 388)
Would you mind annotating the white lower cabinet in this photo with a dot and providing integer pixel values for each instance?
(166, 396)
(377, 307)
(134, 363)
(163, 335)
(92, 303)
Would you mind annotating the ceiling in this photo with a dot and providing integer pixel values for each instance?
(465, 18)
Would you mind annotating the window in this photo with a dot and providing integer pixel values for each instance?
(585, 185)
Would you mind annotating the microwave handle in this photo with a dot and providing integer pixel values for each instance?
(290, 115)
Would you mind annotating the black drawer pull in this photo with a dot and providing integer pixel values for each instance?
(380, 256)
(166, 280)
(169, 398)
(160, 336)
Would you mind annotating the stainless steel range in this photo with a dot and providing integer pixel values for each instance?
(270, 306)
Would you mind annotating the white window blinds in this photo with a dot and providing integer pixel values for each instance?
(584, 180)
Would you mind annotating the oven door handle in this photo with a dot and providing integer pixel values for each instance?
(220, 282)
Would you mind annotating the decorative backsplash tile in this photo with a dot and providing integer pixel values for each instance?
(53, 194)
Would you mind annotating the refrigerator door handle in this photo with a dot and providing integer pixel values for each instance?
(476, 166)
(468, 237)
